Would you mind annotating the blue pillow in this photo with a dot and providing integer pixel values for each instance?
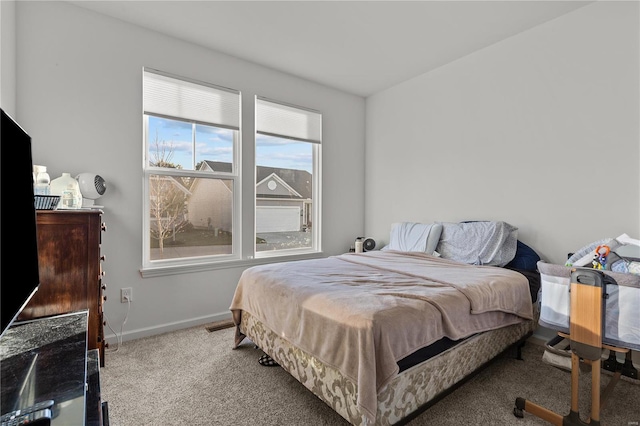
(526, 258)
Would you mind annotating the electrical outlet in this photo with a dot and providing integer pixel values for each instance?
(126, 294)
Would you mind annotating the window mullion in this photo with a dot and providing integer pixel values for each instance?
(193, 145)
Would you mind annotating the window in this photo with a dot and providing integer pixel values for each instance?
(287, 179)
(192, 177)
(191, 171)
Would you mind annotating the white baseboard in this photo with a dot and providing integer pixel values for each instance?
(140, 333)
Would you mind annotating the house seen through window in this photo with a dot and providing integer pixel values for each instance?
(284, 194)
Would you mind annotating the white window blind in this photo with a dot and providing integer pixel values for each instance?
(168, 96)
(280, 120)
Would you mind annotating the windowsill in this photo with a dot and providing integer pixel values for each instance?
(158, 271)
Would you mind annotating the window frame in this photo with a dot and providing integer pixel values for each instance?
(189, 264)
(316, 217)
(242, 255)
(316, 190)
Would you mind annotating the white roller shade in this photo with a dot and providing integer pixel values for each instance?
(189, 100)
(276, 119)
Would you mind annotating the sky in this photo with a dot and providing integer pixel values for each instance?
(216, 144)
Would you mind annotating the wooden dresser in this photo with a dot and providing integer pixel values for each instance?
(71, 275)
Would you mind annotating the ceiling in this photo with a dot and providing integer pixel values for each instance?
(360, 47)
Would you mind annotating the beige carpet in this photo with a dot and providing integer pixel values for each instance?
(193, 377)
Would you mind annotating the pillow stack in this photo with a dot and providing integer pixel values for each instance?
(476, 242)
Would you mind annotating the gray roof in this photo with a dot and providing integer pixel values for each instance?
(299, 180)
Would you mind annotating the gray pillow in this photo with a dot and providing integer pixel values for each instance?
(479, 243)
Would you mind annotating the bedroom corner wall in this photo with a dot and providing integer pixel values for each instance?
(540, 130)
(80, 97)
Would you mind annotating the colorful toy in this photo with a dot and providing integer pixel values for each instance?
(600, 257)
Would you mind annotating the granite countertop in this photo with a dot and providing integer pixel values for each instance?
(46, 359)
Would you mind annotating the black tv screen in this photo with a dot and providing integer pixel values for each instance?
(19, 272)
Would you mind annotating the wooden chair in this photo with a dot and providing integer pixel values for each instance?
(585, 337)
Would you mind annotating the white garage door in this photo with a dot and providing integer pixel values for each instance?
(277, 219)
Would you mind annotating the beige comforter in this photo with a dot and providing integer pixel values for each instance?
(361, 313)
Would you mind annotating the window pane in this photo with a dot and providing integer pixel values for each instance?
(214, 144)
(283, 193)
(170, 143)
(190, 217)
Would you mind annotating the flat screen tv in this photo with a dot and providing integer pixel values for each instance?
(19, 271)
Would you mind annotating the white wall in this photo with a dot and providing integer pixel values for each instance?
(79, 95)
(540, 130)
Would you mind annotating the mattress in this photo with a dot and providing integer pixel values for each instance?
(621, 321)
(408, 393)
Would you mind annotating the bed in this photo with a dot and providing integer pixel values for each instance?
(379, 335)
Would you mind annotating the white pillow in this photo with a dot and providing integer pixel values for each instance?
(411, 236)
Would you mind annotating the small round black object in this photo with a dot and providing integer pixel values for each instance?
(368, 244)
